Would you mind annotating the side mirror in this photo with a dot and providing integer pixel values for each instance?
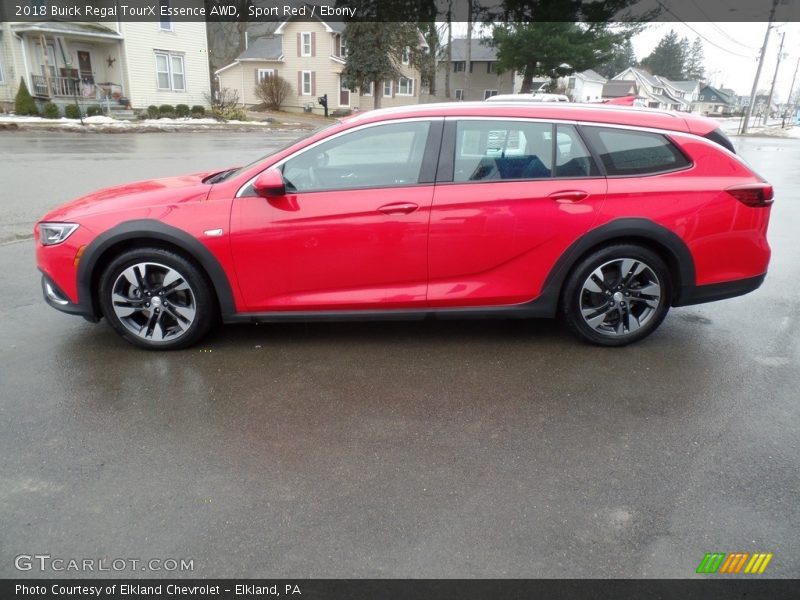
(270, 184)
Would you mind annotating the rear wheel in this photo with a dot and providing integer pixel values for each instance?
(156, 299)
(617, 295)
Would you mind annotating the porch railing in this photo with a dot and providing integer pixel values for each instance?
(69, 87)
(58, 86)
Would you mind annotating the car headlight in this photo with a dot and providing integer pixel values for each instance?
(55, 233)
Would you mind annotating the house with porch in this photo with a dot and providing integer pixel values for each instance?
(311, 55)
(686, 91)
(114, 64)
(652, 92)
(484, 80)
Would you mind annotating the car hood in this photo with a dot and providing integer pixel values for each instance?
(139, 194)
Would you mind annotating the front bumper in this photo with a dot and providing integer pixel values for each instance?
(59, 300)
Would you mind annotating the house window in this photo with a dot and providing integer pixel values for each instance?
(406, 57)
(387, 88)
(339, 46)
(47, 58)
(405, 86)
(306, 84)
(368, 91)
(305, 44)
(264, 74)
(459, 94)
(170, 72)
(165, 20)
(489, 93)
(491, 67)
(459, 66)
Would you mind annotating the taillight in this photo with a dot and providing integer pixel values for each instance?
(752, 194)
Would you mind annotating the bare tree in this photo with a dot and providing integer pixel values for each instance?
(273, 91)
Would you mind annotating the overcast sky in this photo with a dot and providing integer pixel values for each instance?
(731, 51)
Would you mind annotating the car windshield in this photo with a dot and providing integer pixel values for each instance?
(227, 174)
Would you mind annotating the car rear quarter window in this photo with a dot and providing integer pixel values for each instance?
(718, 136)
(629, 152)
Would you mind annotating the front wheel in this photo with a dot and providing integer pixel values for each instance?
(156, 299)
(617, 295)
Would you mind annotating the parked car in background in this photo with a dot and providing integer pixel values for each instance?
(602, 215)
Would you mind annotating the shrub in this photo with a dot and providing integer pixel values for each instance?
(51, 111)
(152, 112)
(198, 112)
(273, 91)
(94, 110)
(182, 110)
(166, 110)
(72, 112)
(24, 104)
(230, 113)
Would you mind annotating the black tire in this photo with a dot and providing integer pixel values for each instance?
(159, 293)
(617, 295)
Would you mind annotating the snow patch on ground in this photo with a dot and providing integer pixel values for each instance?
(790, 132)
(98, 119)
(109, 122)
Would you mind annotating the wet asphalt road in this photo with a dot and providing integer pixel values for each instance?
(452, 449)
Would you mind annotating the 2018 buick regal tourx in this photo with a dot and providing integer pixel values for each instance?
(605, 216)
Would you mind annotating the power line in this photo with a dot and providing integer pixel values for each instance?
(702, 36)
(719, 29)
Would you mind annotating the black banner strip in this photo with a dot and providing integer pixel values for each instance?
(399, 589)
(277, 11)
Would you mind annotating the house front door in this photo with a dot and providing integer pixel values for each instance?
(85, 66)
(344, 94)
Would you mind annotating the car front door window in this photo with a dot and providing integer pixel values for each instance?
(380, 156)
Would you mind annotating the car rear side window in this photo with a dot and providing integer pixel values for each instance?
(626, 152)
(503, 150)
(572, 157)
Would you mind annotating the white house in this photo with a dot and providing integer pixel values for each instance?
(586, 86)
(114, 63)
(688, 91)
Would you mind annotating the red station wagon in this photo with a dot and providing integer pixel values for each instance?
(606, 216)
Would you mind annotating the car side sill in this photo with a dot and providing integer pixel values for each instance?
(529, 310)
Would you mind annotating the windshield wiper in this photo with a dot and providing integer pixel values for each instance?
(221, 176)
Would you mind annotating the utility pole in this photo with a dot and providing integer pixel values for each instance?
(791, 91)
(749, 111)
(774, 79)
(468, 61)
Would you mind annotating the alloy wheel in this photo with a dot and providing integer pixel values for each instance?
(620, 297)
(154, 302)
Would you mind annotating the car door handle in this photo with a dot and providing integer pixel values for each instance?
(399, 208)
(566, 196)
